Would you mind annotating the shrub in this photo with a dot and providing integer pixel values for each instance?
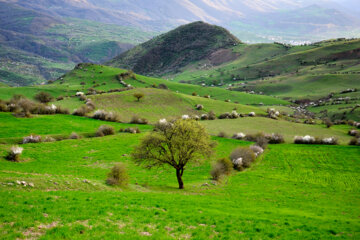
(49, 139)
(82, 111)
(220, 168)
(43, 97)
(328, 123)
(257, 150)
(138, 96)
(259, 138)
(211, 115)
(204, 117)
(222, 134)
(131, 130)
(162, 86)
(185, 117)
(275, 138)
(3, 106)
(242, 157)
(304, 140)
(272, 113)
(74, 135)
(239, 136)
(224, 115)
(105, 130)
(194, 94)
(31, 139)
(14, 154)
(252, 114)
(60, 110)
(354, 133)
(355, 141)
(138, 120)
(199, 107)
(309, 121)
(329, 141)
(118, 175)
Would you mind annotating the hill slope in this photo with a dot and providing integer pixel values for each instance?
(35, 47)
(177, 48)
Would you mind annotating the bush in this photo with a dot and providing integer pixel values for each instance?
(43, 97)
(60, 110)
(138, 120)
(355, 141)
(31, 139)
(82, 111)
(199, 107)
(304, 140)
(328, 123)
(242, 157)
(118, 175)
(220, 168)
(138, 96)
(162, 86)
(105, 130)
(194, 94)
(239, 136)
(74, 135)
(257, 150)
(224, 115)
(49, 139)
(275, 138)
(354, 133)
(329, 141)
(106, 116)
(211, 115)
(259, 138)
(14, 154)
(131, 130)
(222, 134)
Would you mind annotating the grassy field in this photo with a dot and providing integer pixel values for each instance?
(44, 125)
(288, 129)
(292, 192)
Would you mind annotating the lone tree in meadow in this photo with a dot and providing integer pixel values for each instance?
(43, 97)
(174, 144)
(138, 96)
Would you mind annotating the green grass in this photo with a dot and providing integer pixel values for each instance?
(52, 125)
(288, 129)
(159, 104)
(292, 192)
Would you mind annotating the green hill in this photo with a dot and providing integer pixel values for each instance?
(36, 47)
(177, 48)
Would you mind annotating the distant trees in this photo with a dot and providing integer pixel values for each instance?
(138, 96)
(174, 144)
(43, 97)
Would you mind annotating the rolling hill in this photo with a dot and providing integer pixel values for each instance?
(291, 72)
(36, 47)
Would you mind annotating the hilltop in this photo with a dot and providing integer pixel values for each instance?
(178, 48)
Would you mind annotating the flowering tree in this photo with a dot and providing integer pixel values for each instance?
(174, 144)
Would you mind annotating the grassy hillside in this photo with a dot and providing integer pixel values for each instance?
(293, 192)
(288, 129)
(176, 49)
(35, 47)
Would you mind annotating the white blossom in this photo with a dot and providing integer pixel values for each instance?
(184, 117)
(16, 150)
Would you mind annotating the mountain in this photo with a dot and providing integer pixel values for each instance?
(178, 48)
(36, 47)
(249, 20)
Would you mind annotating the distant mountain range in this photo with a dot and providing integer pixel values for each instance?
(293, 21)
(40, 40)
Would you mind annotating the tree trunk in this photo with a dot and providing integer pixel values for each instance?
(179, 178)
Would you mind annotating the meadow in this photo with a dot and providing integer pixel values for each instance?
(292, 192)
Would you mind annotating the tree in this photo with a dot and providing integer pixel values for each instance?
(43, 97)
(138, 96)
(174, 144)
